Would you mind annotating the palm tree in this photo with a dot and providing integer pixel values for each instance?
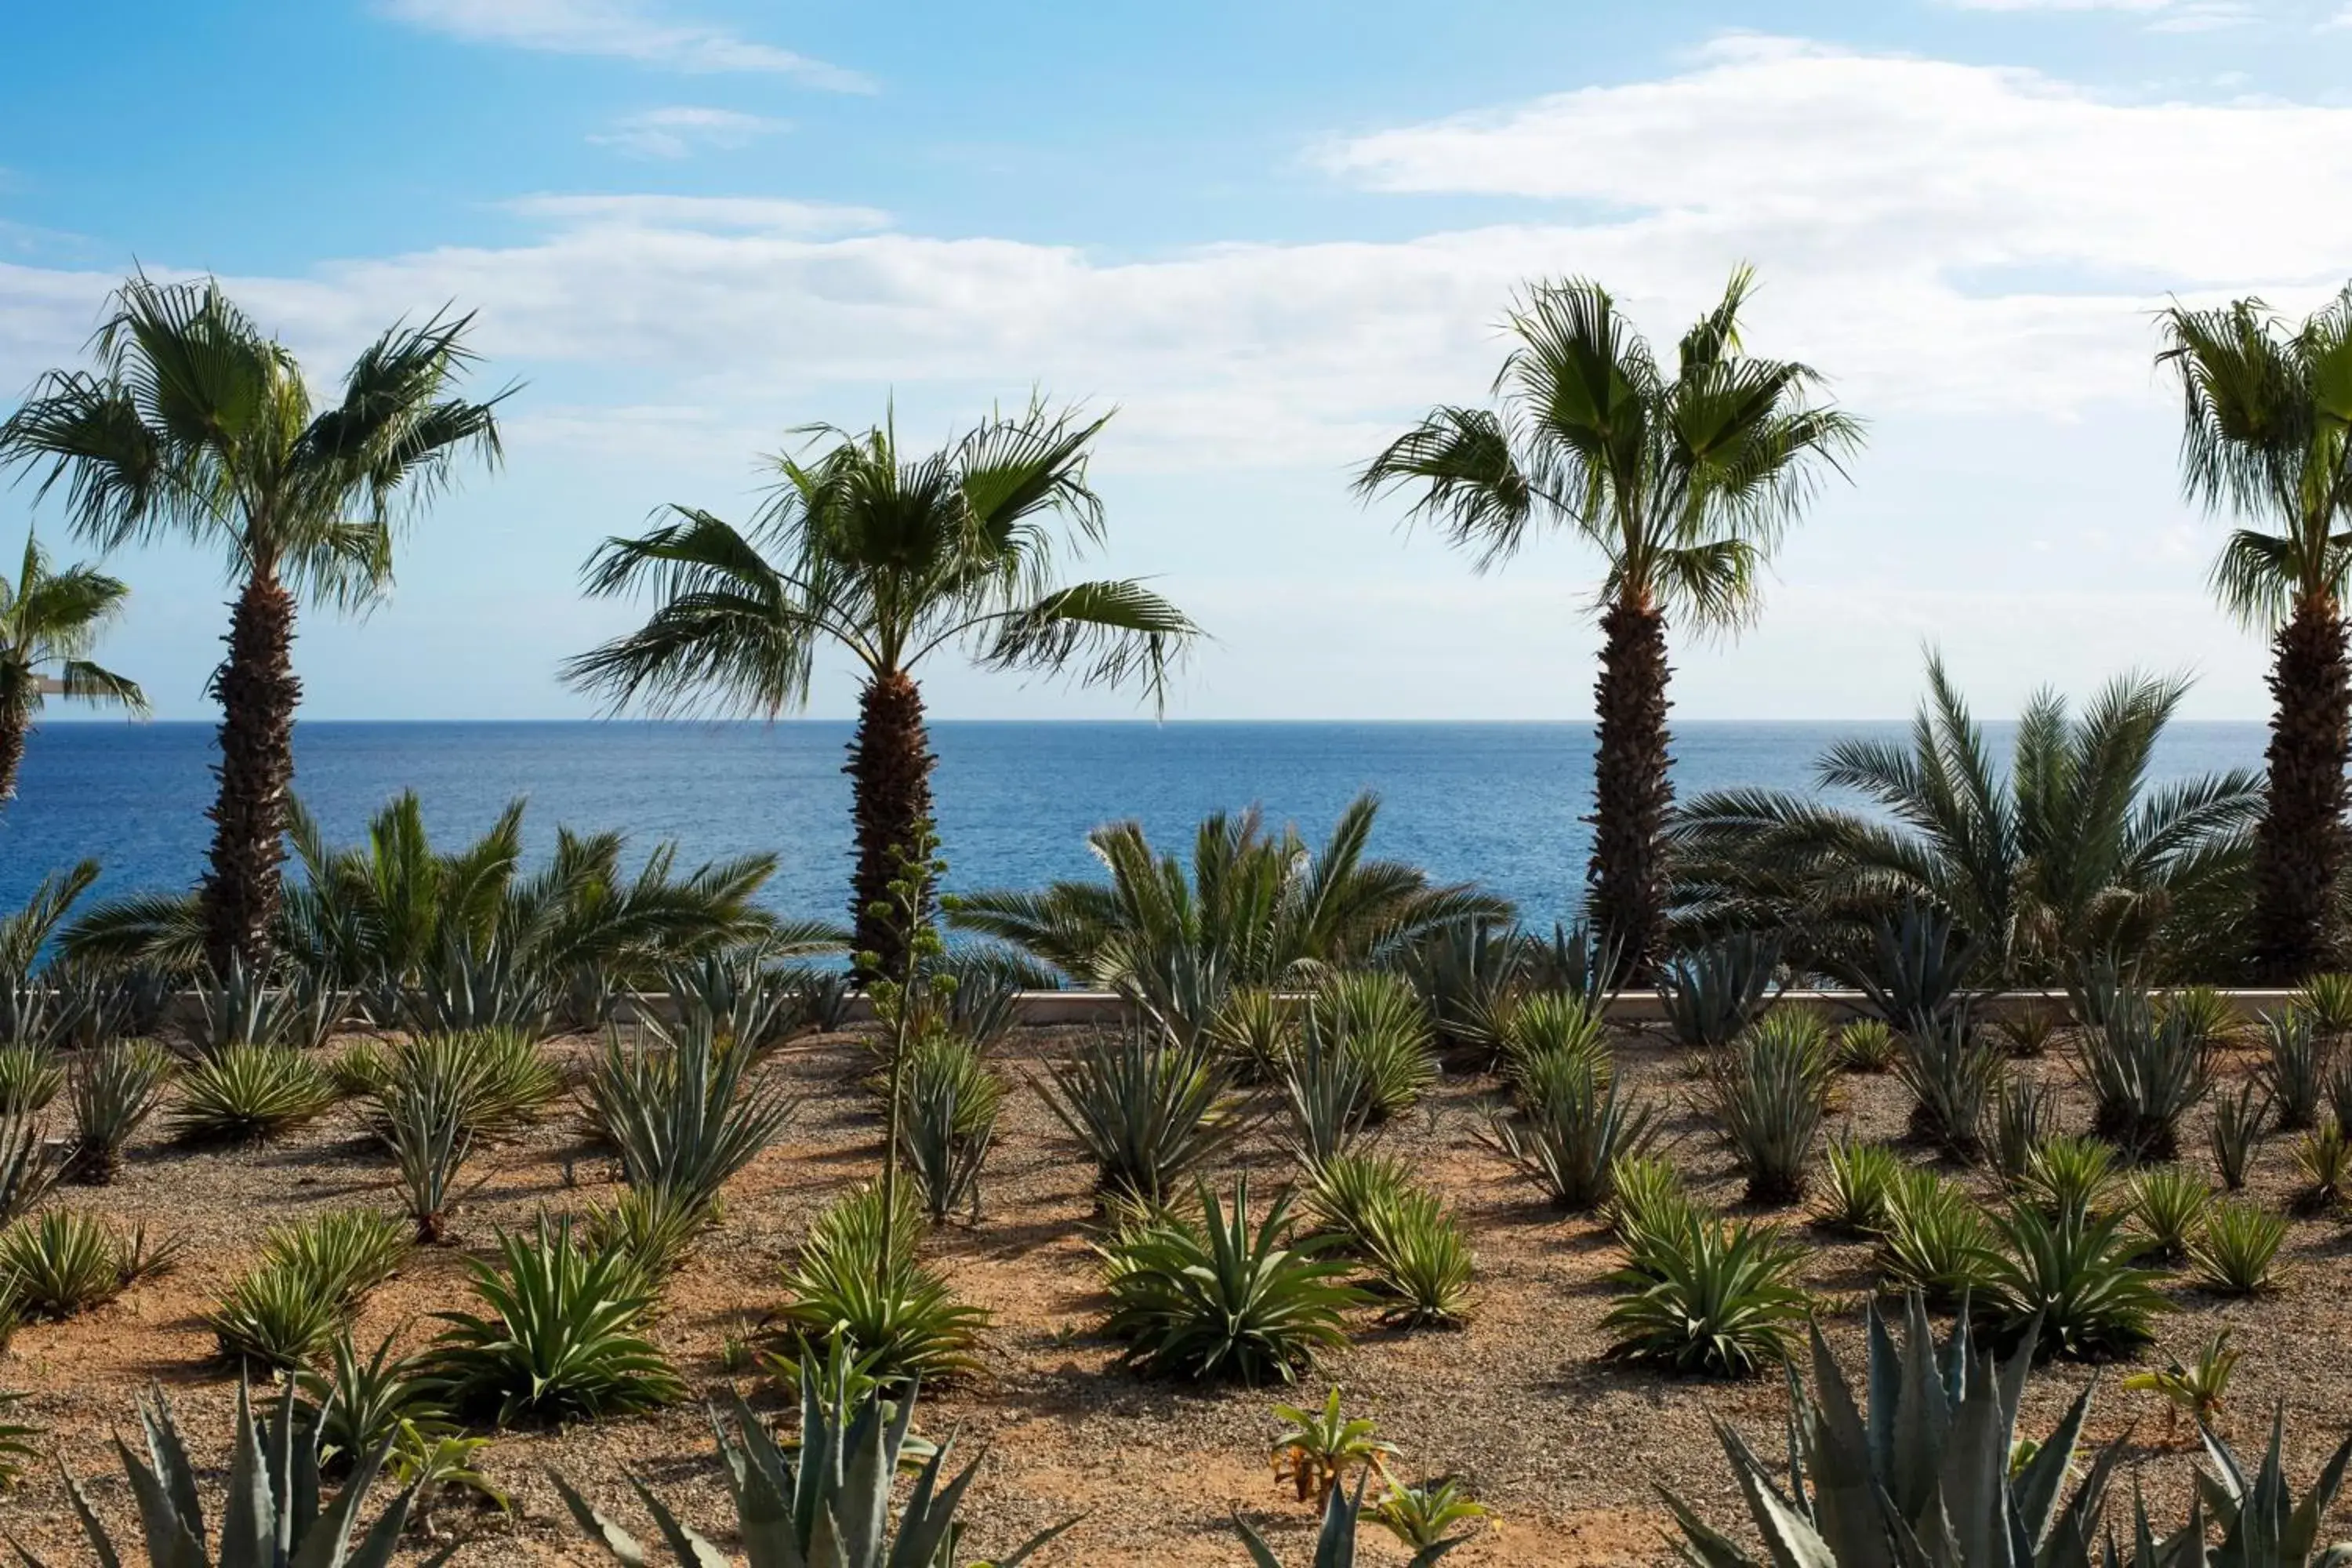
(194, 424)
(50, 620)
(2066, 855)
(1684, 485)
(2267, 435)
(893, 558)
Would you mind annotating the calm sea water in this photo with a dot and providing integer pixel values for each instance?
(1494, 804)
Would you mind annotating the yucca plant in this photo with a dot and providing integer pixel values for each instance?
(1146, 1111)
(1377, 1019)
(2074, 1280)
(274, 1512)
(2205, 1013)
(2297, 1060)
(1867, 1045)
(950, 1123)
(1254, 1030)
(1223, 1298)
(1647, 1206)
(1922, 1474)
(1422, 1516)
(2196, 1390)
(495, 1079)
(69, 1261)
(2237, 1132)
(901, 1320)
(1421, 1260)
(682, 1114)
(1713, 992)
(1712, 1296)
(1574, 1122)
(2326, 999)
(654, 1227)
(28, 1168)
(1328, 1097)
(1335, 1541)
(561, 1338)
(2237, 1251)
(2145, 1072)
(1936, 1241)
(425, 1123)
(1552, 1027)
(1319, 1447)
(2023, 1117)
(250, 1092)
(275, 1315)
(1344, 1191)
(1916, 964)
(1952, 1073)
(827, 1506)
(344, 1252)
(1857, 1181)
(2324, 1156)
(30, 1076)
(2071, 1176)
(1767, 1093)
(112, 1091)
(2168, 1204)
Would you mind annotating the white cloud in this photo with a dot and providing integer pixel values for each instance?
(677, 130)
(709, 214)
(622, 29)
(2163, 15)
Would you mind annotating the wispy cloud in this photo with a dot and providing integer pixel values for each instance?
(678, 129)
(620, 29)
(702, 214)
(2161, 15)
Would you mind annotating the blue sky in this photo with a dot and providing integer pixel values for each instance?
(1269, 234)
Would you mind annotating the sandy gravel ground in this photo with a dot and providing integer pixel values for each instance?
(1566, 1447)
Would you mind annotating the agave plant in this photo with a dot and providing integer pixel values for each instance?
(2074, 1281)
(2145, 1070)
(1471, 975)
(28, 1168)
(275, 1512)
(2262, 1523)
(251, 1091)
(2237, 1132)
(1148, 1110)
(30, 1076)
(1922, 1475)
(2071, 1176)
(113, 1091)
(949, 1125)
(2022, 1116)
(1319, 1447)
(1335, 1542)
(829, 1507)
(1574, 1124)
(1376, 1020)
(1953, 1073)
(1858, 1179)
(1936, 1241)
(1710, 1295)
(1713, 992)
(1768, 1093)
(855, 1285)
(681, 1115)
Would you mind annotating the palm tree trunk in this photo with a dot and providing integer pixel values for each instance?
(890, 792)
(2299, 843)
(1632, 789)
(257, 691)
(13, 724)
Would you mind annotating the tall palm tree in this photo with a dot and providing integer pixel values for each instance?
(1684, 485)
(50, 621)
(2067, 855)
(2267, 436)
(892, 557)
(194, 424)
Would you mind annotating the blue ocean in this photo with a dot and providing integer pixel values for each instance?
(1500, 804)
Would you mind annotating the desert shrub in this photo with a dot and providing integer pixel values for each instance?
(2071, 1176)
(1766, 1093)
(1936, 1240)
(2075, 1275)
(1867, 1045)
(1223, 1298)
(112, 1091)
(1713, 992)
(2324, 1156)
(2168, 1203)
(1573, 1124)
(1328, 1098)
(30, 1076)
(1713, 1296)
(2296, 1062)
(2237, 1132)
(2237, 1251)
(1255, 1029)
(1952, 1073)
(251, 1091)
(559, 1338)
(28, 1168)
(1146, 1111)
(1857, 1179)
(682, 1114)
(902, 1320)
(950, 1122)
(2145, 1072)
(69, 1261)
(2022, 1116)
(1421, 1259)
(1376, 1018)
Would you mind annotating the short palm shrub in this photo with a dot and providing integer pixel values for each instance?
(950, 1123)
(1867, 1045)
(1857, 1180)
(1146, 1111)
(2324, 1156)
(1377, 1018)
(2168, 1203)
(28, 1168)
(69, 1261)
(2237, 1251)
(30, 1076)
(1343, 1191)
(250, 1092)
(1713, 992)
(1934, 1241)
(1422, 1517)
(1328, 1098)
(1222, 1299)
(682, 1113)
(2071, 1176)
(2197, 1390)
(1714, 1296)
(560, 1336)
(1255, 1029)
(1952, 1072)
(2023, 1116)
(1551, 1025)
(1335, 1539)
(2145, 1072)
(1766, 1093)
(790, 1508)
(1421, 1260)
(1574, 1122)
(2076, 1277)
(901, 1320)
(1317, 1449)
(112, 1091)
(2237, 1132)
(2297, 1061)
